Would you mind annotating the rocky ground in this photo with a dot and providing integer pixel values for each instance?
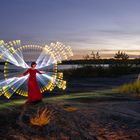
(107, 118)
(98, 114)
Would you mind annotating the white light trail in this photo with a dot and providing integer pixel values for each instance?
(12, 53)
(14, 81)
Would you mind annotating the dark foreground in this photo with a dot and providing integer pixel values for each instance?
(96, 113)
(95, 116)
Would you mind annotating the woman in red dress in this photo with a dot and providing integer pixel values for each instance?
(34, 94)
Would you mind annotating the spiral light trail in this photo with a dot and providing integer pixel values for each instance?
(16, 60)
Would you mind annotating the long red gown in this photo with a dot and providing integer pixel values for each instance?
(34, 93)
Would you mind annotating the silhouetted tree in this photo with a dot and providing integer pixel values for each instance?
(93, 56)
(97, 55)
(121, 55)
(86, 57)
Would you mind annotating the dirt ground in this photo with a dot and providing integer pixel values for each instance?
(91, 120)
(94, 116)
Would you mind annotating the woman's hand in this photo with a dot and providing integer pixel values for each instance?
(19, 76)
(43, 72)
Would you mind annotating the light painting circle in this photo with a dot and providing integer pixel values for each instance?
(31, 53)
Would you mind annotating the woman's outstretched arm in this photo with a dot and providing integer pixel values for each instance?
(23, 74)
(41, 72)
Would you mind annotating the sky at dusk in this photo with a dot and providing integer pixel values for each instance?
(100, 25)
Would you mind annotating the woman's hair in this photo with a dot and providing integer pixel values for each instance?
(33, 63)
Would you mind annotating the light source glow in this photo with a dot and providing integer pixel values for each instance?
(14, 55)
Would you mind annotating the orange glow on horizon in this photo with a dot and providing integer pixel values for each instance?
(104, 54)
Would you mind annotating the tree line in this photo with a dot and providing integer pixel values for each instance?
(120, 55)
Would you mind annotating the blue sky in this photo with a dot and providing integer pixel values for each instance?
(85, 25)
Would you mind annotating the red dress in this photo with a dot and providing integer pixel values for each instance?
(34, 93)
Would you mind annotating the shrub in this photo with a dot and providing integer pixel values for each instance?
(132, 88)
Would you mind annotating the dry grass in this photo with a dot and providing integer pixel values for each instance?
(133, 88)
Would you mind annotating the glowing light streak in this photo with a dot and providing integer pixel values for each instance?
(48, 59)
(8, 53)
(8, 83)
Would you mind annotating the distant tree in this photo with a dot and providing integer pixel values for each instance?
(86, 57)
(118, 55)
(97, 55)
(93, 56)
(121, 55)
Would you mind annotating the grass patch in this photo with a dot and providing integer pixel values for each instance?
(130, 88)
(11, 103)
(67, 97)
(84, 95)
